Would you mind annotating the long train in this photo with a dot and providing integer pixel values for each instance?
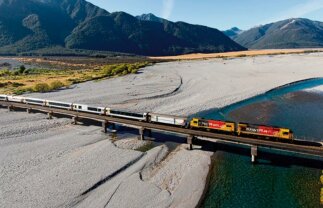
(239, 129)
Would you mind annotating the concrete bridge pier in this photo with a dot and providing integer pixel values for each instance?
(10, 108)
(142, 133)
(74, 120)
(190, 142)
(254, 154)
(50, 115)
(105, 125)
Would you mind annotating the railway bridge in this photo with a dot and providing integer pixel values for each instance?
(301, 147)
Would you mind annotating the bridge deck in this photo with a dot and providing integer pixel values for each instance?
(304, 149)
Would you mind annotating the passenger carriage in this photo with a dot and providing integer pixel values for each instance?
(167, 119)
(35, 101)
(16, 99)
(124, 114)
(3, 97)
(90, 109)
(57, 104)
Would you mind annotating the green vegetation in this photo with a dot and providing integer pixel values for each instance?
(41, 87)
(25, 80)
(22, 69)
(146, 147)
(55, 85)
(122, 69)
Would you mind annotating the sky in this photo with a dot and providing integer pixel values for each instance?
(220, 14)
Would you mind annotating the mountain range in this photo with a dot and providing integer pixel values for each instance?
(290, 33)
(58, 26)
(29, 25)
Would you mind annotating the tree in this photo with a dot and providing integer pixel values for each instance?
(22, 69)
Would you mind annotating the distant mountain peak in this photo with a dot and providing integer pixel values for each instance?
(233, 32)
(289, 33)
(236, 29)
(150, 17)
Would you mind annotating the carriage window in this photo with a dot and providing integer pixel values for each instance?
(34, 101)
(59, 104)
(92, 109)
(285, 133)
(80, 107)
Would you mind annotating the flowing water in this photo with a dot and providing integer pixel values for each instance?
(279, 179)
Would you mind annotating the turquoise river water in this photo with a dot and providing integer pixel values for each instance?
(279, 179)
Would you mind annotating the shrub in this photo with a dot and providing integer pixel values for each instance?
(17, 84)
(125, 72)
(122, 69)
(119, 69)
(42, 87)
(5, 72)
(56, 85)
(3, 84)
(26, 71)
(19, 92)
(22, 69)
(134, 71)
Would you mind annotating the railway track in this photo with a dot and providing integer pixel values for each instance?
(302, 147)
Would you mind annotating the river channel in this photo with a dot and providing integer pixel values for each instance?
(279, 179)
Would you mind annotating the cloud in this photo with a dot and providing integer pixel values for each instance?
(168, 6)
(299, 10)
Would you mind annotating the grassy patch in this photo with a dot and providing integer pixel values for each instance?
(146, 147)
(44, 80)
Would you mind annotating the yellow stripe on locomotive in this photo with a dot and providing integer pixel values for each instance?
(212, 125)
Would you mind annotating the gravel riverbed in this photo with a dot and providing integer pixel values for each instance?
(51, 163)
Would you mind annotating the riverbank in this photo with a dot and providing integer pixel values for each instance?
(236, 54)
(52, 163)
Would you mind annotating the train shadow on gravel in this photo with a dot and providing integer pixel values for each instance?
(155, 136)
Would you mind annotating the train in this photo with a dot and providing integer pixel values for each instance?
(218, 126)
